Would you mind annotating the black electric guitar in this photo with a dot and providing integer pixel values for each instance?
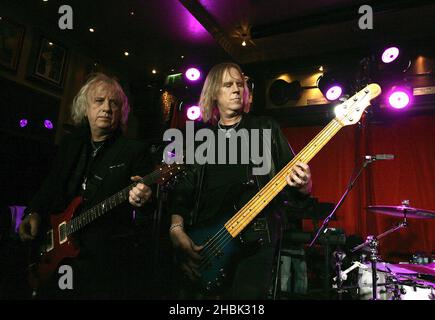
(220, 238)
(57, 242)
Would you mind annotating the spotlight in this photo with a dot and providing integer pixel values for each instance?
(393, 59)
(331, 86)
(390, 54)
(23, 123)
(399, 97)
(281, 91)
(192, 74)
(193, 113)
(48, 124)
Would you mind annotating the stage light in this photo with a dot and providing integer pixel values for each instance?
(280, 91)
(390, 54)
(331, 86)
(334, 93)
(23, 123)
(193, 113)
(91, 30)
(393, 59)
(48, 124)
(192, 74)
(399, 97)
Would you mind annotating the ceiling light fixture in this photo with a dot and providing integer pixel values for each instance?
(126, 53)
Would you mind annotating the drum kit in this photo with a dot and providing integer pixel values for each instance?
(378, 280)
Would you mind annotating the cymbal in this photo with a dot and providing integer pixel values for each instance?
(426, 269)
(399, 211)
(395, 268)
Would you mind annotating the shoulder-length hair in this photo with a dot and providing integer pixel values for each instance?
(81, 100)
(210, 90)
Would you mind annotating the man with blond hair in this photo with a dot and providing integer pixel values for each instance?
(207, 188)
(95, 162)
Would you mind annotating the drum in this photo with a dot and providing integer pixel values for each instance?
(384, 271)
(418, 290)
(365, 283)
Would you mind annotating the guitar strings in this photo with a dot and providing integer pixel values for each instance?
(266, 195)
(77, 222)
(307, 152)
(335, 124)
(223, 239)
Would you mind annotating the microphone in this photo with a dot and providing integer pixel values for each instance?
(380, 157)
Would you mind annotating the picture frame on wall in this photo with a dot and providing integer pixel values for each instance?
(11, 43)
(51, 62)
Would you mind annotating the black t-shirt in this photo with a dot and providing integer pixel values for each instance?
(221, 176)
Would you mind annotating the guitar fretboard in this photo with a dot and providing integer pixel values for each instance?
(100, 209)
(350, 111)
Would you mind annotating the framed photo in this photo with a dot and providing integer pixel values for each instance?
(51, 62)
(11, 43)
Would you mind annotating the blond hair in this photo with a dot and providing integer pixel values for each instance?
(210, 90)
(80, 102)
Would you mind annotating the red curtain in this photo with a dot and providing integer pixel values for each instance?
(409, 176)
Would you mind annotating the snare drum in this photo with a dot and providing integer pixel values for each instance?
(365, 283)
(419, 290)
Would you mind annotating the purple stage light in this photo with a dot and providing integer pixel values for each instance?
(390, 54)
(399, 98)
(48, 124)
(193, 74)
(334, 93)
(23, 123)
(193, 113)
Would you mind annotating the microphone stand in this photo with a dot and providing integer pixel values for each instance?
(349, 187)
(329, 217)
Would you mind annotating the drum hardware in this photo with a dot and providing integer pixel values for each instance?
(349, 187)
(394, 283)
(372, 243)
(355, 264)
(339, 256)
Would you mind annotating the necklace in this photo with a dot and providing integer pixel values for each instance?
(227, 131)
(96, 148)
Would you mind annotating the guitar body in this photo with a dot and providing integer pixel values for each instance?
(56, 243)
(51, 250)
(222, 252)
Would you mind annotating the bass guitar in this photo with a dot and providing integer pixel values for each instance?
(220, 239)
